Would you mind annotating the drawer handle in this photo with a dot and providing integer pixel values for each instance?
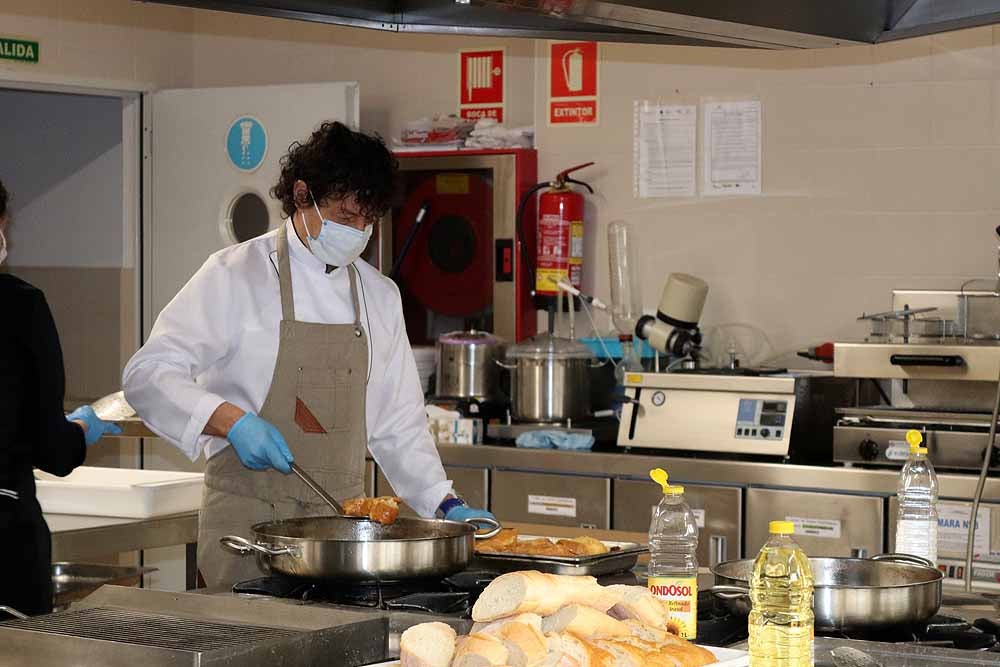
(717, 550)
(937, 360)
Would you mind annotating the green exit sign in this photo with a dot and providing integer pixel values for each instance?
(18, 49)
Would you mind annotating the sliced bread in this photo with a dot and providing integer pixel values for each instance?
(427, 645)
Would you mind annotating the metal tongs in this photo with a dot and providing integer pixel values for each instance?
(338, 509)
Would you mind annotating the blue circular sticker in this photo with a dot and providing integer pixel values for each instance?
(246, 143)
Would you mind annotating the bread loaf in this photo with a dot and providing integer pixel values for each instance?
(493, 627)
(584, 622)
(526, 645)
(530, 591)
(427, 645)
(479, 650)
(583, 652)
(638, 603)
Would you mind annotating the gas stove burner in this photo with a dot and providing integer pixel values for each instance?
(452, 595)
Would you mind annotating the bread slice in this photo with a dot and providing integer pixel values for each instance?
(585, 622)
(479, 650)
(583, 652)
(427, 645)
(526, 645)
(622, 654)
(531, 591)
(494, 627)
(638, 603)
(650, 634)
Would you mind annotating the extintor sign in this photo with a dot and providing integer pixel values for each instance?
(573, 83)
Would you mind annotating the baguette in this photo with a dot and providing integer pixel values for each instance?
(676, 653)
(494, 627)
(526, 645)
(638, 603)
(583, 652)
(534, 592)
(584, 622)
(479, 650)
(427, 645)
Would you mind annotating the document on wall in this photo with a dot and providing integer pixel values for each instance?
(731, 153)
(665, 150)
(953, 529)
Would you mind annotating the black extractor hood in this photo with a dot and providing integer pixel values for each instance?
(771, 24)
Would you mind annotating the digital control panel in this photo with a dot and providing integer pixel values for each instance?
(758, 419)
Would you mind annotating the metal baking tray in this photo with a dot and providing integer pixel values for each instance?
(614, 561)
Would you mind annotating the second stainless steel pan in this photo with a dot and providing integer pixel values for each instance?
(331, 547)
(850, 593)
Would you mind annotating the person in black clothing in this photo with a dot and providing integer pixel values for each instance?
(34, 433)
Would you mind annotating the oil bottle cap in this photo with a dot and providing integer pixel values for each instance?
(659, 475)
(914, 438)
(781, 528)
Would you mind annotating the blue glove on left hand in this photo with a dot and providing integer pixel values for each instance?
(97, 428)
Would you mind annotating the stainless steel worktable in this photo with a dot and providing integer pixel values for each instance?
(687, 469)
(78, 538)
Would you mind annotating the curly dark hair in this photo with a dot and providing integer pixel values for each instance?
(3, 200)
(337, 162)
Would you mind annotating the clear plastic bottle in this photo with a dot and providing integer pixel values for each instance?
(917, 520)
(781, 593)
(626, 288)
(672, 573)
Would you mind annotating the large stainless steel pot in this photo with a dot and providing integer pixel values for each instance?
(550, 379)
(851, 594)
(466, 365)
(331, 547)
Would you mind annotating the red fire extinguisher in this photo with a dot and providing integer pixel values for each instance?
(559, 235)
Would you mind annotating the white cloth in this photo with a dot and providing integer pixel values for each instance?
(217, 340)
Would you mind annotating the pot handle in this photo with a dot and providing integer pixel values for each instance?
(245, 547)
(501, 364)
(903, 558)
(729, 592)
(13, 612)
(493, 525)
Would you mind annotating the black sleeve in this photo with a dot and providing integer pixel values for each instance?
(59, 446)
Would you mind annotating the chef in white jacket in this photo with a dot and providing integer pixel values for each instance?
(289, 347)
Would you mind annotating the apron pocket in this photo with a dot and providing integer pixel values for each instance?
(315, 408)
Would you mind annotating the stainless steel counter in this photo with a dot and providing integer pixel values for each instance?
(79, 538)
(637, 466)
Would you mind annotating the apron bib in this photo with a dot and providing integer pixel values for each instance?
(317, 401)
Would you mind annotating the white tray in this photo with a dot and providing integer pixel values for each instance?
(727, 657)
(133, 494)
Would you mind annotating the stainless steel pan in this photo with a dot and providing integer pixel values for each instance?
(331, 547)
(850, 593)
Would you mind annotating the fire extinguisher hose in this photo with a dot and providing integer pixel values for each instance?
(529, 261)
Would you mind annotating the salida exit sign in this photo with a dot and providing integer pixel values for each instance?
(18, 49)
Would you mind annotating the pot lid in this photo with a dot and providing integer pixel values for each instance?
(471, 337)
(547, 346)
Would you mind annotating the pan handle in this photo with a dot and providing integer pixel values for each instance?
(245, 547)
(729, 592)
(493, 525)
(13, 612)
(903, 558)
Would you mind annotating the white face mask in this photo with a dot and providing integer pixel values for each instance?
(337, 244)
(3, 247)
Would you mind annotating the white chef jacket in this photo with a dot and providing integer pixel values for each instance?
(217, 340)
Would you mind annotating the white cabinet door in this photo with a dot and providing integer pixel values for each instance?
(192, 184)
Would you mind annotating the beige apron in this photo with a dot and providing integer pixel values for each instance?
(317, 402)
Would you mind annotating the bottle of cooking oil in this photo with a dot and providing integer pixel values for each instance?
(781, 594)
(917, 520)
(672, 573)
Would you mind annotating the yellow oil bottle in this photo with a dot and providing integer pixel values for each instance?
(781, 593)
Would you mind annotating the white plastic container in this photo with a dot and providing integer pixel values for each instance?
(118, 492)
(917, 519)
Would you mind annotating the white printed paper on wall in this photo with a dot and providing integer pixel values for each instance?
(664, 151)
(825, 528)
(731, 150)
(953, 529)
(552, 505)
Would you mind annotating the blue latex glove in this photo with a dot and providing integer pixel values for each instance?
(97, 428)
(259, 444)
(463, 512)
(555, 440)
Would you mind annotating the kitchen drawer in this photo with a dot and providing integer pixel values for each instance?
(369, 478)
(560, 500)
(719, 510)
(952, 541)
(470, 483)
(836, 523)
